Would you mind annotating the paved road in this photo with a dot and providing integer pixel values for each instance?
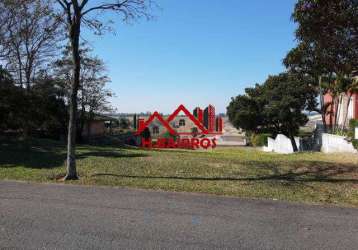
(72, 217)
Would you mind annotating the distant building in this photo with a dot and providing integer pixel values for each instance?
(341, 109)
(99, 126)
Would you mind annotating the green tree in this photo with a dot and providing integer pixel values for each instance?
(303, 60)
(29, 33)
(287, 96)
(77, 14)
(245, 111)
(49, 109)
(276, 106)
(43, 109)
(124, 123)
(327, 48)
(92, 93)
(329, 27)
(10, 102)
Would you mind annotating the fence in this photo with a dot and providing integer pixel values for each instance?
(281, 144)
(336, 144)
(327, 143)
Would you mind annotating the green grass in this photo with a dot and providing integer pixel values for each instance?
(244, 172)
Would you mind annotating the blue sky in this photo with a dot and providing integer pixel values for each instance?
(195, 52)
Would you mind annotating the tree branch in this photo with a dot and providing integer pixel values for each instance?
(83, 4)
(113, 6)
(67, 8)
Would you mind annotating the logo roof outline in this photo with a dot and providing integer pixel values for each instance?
(190, 116)
(161, 119)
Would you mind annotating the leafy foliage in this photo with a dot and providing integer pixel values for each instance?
(329, 29)
(92, 93)
(259, 140)
(124, 123)
(10, 107)
(327, 48)
(353, 123)
(146, 134)
(245, 111)
(41, 109)
(276, 106)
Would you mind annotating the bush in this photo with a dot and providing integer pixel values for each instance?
(352, 125)
(259, 140)
(341, 132)
(146, 134)
(305, 133)
(355, 144)
(167, 135)
(124, 123)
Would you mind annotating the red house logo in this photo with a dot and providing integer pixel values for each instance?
(205, 125)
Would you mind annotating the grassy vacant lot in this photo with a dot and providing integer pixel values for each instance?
(243, 172)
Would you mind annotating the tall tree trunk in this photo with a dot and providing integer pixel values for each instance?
(28, 90)
(324, 122)
(82, 121)
(71, 141)
(347, 110)
(89, 121)
(331, 113)
(323, 112)
(323, 105)
(293, 142)
(338, 112)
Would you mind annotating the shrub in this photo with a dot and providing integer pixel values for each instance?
(259, 140)
(167, 135)
(355, 144)
(305, 133)
(352, 125)
(341, 132)
(124, 123)
(146, 133)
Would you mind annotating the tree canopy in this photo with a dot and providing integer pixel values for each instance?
(329, 29)
(327, 50)
(276, 106)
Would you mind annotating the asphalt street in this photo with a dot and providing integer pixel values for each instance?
(51, 216)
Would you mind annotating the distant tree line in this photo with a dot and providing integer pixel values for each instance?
(35, 78)
(40, 110)
(323, 61)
